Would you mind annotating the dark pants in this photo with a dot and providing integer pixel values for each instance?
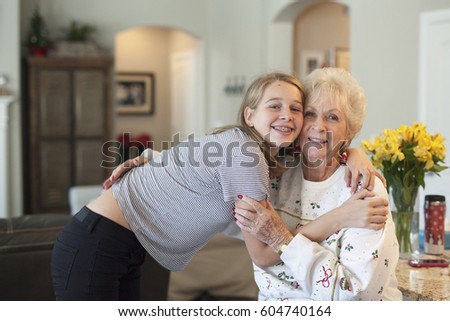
(95, 258)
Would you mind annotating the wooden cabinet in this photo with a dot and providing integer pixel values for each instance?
(67, 119)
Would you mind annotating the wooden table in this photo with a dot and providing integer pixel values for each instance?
(424, 284)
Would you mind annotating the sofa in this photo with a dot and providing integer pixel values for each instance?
(221, 271)
(25, 249)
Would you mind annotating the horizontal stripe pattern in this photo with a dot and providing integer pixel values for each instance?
(178, 201)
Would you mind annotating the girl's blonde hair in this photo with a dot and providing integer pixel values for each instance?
(251, 99)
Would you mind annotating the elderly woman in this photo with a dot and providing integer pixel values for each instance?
(351, 264)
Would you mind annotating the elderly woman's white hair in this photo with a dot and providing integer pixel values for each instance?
(340, 88)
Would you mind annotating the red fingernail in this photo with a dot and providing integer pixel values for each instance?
(240, 196)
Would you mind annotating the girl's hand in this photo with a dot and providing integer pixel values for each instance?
(263, 223)
(120, 170)
(360, 172)
(362, 211)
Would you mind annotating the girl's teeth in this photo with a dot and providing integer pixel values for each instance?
(283, 129)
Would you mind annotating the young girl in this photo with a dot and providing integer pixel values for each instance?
(173, 205)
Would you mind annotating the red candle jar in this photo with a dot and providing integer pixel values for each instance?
(434, 234)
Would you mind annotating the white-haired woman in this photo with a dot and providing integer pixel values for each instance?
(352, 263)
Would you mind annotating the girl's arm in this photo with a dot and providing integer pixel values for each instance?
(146, 156)
(265, 233)
(360, 172)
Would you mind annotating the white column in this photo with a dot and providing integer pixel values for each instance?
(5, 101)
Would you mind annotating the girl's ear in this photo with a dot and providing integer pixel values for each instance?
(248, 115)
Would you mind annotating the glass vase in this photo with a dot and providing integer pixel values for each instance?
(407, 232)
(406, 218)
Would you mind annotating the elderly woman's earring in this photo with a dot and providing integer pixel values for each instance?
(343, 157)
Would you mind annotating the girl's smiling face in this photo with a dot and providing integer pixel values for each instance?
(278, 117)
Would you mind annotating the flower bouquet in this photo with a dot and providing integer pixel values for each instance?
(404, 155)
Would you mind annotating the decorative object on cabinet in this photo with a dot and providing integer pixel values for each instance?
(77, 41)
(38, 37)
(67, 121)
(134, 93)
(78, 32)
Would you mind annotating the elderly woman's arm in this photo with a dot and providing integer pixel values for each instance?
(362, 267)
(265, 233)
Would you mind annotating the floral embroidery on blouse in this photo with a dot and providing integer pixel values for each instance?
(314, 205)
(349, 247)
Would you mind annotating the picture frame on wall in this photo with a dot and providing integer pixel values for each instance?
(310, 60)
(134, 93)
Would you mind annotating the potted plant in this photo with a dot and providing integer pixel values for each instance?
(77, 32)
(77, 41)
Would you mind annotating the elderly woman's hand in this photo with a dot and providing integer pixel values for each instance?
(263, 223)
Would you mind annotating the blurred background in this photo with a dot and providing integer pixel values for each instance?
(196, 57)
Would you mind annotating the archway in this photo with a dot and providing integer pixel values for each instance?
(154, 50)
(283, 47)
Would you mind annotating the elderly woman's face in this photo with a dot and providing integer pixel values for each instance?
(324, 130)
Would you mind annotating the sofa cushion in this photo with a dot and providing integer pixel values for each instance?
(31, 232)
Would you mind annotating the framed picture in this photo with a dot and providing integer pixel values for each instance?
(339, 57)
(343, 58)
(310, 60)
(134, 93)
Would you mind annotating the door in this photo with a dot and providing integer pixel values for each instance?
(186, 109)
(434, 96)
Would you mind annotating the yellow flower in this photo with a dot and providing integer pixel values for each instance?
(437, 147)
(405, 154)
(367, 145)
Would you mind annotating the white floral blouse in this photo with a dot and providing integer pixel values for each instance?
(352, 264)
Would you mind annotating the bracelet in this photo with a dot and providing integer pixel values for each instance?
(282, 247)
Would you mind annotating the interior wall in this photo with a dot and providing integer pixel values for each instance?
(148, 49)
(323, 25)
(236, 50)
(10, 66)
(319, 28)
(113, 16)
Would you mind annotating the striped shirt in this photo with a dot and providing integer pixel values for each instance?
(178, 201)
